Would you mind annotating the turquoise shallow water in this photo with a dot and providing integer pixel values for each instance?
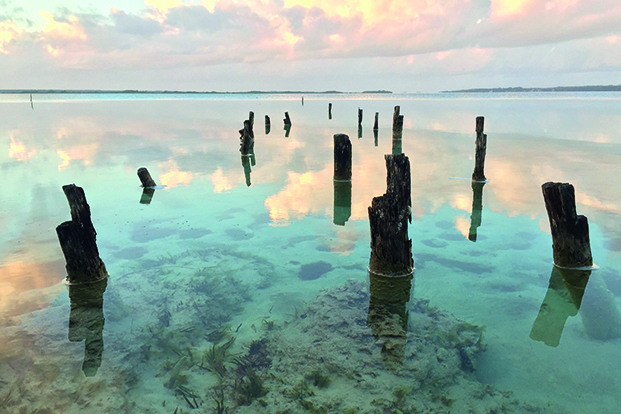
(250, 299)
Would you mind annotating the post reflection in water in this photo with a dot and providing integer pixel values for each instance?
(147, 195)
(397, 146)
(388, 314)
(570, 291)
(477, 207)
(86, 322)
(375, 136)
(287, 129)
(562, 300)
(342, 201)
(248, 161)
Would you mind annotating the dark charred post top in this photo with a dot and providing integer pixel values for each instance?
(251, 118)
(145, 178)
(359, 116)
(376, 123)
(267, 121)
(481, 147)
(570, 232)
(330, 110)
(78, 240)
(342, 157)
(247, 138)
(287, 120)
(391, 248)
(395, 115)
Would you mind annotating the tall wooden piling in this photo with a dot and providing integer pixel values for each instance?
(268, 125)
(145, 178)
(359, 117)
(395, 115)
(251, 119)
(481, 147)
(246, 138)
(78, 240)
(376, 122)
(330, 110)
(391, 248)
(570, 232)
(342, 157)
(397, 133)
(287, 120)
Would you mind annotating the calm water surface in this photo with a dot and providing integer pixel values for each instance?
(224, 287)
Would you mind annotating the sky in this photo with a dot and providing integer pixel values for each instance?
(313, 45)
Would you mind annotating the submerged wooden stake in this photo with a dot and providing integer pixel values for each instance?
(359, 117)
(376, 123)
(391, 248)
(330, 110)
(287, 120)
(145, 178)
(78, 240)
(481, 147)
(570, 232)
(86, 322)
(268, 125)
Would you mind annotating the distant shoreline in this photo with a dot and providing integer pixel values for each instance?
(156, 92)
(588, 88)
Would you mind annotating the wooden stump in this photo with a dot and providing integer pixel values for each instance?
(342, 157)
(86, 322)
(251, 119)
(287, 120)
(391, 248)
(359, 117)
(477, 210)
(247, 138)
(330, 110)
(481, 147)
(78, 240)
(570, 232)
(268, 125)
(376, 122)
(145, 178)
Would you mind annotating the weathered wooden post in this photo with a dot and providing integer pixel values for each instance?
(302, 101)
(251, 119)
(342, 179)
(395, 115)
(330, 110)
(246, 138)
(570, 233)
(376, 136)
(268, 125)
(78, 240)
(86, 322)
(397, 131)
(359, 118)
(359, 131)
(391, 248)
(376, 123)
(391, 267)
(287, 120)
(145, 178)
(477, 209)
(481, 147)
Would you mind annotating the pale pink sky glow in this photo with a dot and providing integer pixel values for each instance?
(401, 45)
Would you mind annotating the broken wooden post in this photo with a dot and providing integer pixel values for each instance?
(287, 120)
(145, 178)
(342, 179)
(330, 110)
(251, 119)
(397, 134)
(395, 115)
(359, 117)
(570, 233)
(477, 210)
(78, 240)
(268, 125)
(391, 248)
(359, 131)
(376, 123)
(246, 138)
(86, 322)
(481, 147)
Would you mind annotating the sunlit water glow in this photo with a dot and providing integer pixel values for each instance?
(224, 296)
